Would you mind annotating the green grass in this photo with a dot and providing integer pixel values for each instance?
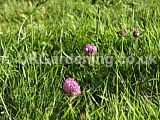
(32, 91)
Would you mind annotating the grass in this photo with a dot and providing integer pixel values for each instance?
(122, 91)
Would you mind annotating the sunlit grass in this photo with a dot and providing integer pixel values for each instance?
(61, 28)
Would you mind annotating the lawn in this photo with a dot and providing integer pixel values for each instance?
(42, 44)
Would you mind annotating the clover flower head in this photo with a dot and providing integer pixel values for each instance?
(136, 32)
(71, 87)
(90, 49)
(122, 33)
